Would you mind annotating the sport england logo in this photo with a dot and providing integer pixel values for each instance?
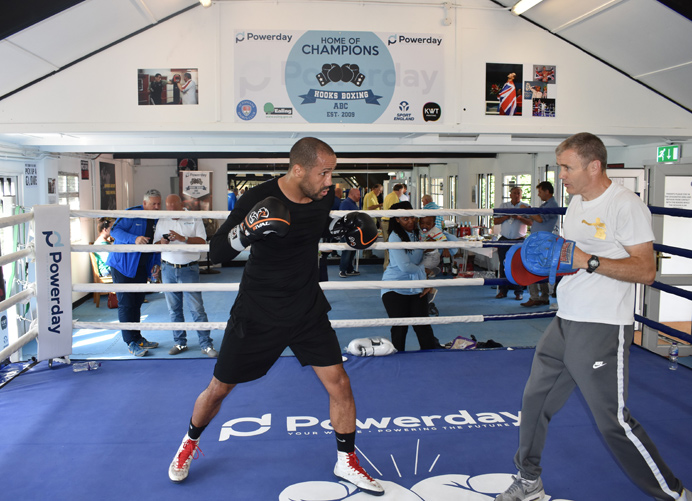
(404, 114)
(53, 239)
(393, 39)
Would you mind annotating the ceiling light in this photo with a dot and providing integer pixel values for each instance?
(205, 3)
(523, 5)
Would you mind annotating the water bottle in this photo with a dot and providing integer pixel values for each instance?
(673, 356)
(85, 366)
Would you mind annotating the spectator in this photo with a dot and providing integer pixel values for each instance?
(404, 194)
(391, 199)
(134, 268)
(346, 265)
(104, 238)
(183, 268)
(513, 228)
(540, 293)
(232, 198)
(431, 258)
(428, 203)
(370, 202)
(407, 264)
(338, 193)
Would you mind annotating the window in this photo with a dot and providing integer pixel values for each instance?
(424, 183)
(523, 181)
(486, 197)
(68, 194)
(437, 189)
(453, 181)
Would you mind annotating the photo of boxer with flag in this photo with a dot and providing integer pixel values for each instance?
(501, 95)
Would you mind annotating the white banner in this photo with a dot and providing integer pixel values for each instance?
(53, 280)
(338, 77)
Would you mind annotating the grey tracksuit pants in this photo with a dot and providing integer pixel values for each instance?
(594, 357)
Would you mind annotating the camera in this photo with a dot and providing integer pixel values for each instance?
(167, 236)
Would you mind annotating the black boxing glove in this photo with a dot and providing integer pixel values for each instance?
(268, 217)
(357, 229)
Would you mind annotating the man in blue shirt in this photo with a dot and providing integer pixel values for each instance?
(540, 293)
(428, 203)
(232, 198)
(135, 268)
(346, 265)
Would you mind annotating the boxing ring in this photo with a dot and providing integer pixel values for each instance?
(433, 426)
(53, 221)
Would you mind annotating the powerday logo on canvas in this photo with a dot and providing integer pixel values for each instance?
(301, 426)
(415, 469)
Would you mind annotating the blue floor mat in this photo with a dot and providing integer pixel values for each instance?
(434, 426)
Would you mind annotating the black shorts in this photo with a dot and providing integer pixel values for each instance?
(249, 348)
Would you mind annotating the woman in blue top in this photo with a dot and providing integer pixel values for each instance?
(406, 264)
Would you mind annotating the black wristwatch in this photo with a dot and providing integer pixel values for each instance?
(593, 263)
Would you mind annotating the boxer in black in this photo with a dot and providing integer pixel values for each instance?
(280, 303)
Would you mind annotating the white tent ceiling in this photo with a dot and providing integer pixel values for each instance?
(643, 39)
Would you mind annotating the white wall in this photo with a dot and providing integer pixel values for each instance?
(204, 38)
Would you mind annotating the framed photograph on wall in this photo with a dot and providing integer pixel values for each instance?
(503, 89)
(166, 86)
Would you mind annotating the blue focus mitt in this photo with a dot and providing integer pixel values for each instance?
(541, 255)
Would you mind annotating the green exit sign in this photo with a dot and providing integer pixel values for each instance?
(668, 153)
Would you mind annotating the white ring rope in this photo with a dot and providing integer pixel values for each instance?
(149, 248)
(16, 256)
(16, 219)
(19, 298)
(212, 214)
(336, 324)
(30, 335)
(23, 296)
(233, 287)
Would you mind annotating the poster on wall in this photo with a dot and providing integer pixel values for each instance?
(338, 77)
(107, 176)
(542, 91)
(52, 191)
(195, 189)
(164, 86)
(503, 84)
(30, 176)
(85, 169)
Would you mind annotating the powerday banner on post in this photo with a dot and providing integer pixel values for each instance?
(338, 77)
(53, 280)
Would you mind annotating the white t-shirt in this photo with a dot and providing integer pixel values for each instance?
(184, 227)
(603, 227)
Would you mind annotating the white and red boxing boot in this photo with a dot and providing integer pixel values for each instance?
(348, 468)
